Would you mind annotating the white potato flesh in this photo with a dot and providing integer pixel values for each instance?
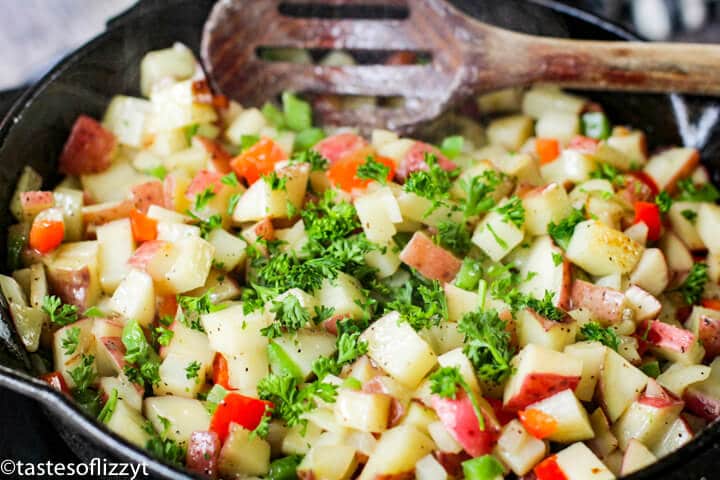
(337, 466)
(72, 273)
(117, 244)
(604, 442)
(168, 142)
(135, 298)
(637, 456)
(456, 358)
(541, 99)
(442, 437)
(646, 423)
(397, 452)
(367, 412)
(545, 274)
(174, 378)
(572, 420)
(601, 250)
(519, 450)
(544, 205)
(671, 165)
(378, 212)
(231, 332)
(399, 350)
(684, 227)
(510, 132)
(342, 294)
(496, 237)
(459, 301)
(113, 184)
(572, 166)
(562, 126)
(243, 455)
(127, 390)
(606, 153)
(677, 378)
(677, 255)
(70, 202)
(386, 262)
(192, 264)
(127, 422)
(620, 384)
(261, 201)
(428, 468)
(708, 225)
(248, 122)
(246, 369)
(578, 462)
(675, 437)
(592, 355)
(177, 62)
(305, 346)
(531, 328)
(125, 117)
(631, 144)
(186, 415)
(295, 238)
(175, 106)
(651, 272)
(229, 249)
(63, 361)
(173, 231)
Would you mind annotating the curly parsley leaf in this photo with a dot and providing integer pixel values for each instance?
(694, 193)
(421, 304)
(84, 374)
(162, 447)
(109, 407)
(290, 316)
(663, 201)
(545, 307)
(444, 382)
(563, 231)
(290, 400)
(143, 362)
(478, 192)
(60, 314)
(317, 162)
(487, 344)
(192, 370)
(512, 211)
(607, 172)
(71, 340)
(593, 331)
(453, 236)
(434, 183)
(203, 198)
(373, 170)
(690, 215)
(694, 284)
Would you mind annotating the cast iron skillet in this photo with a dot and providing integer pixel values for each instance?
(35, 129)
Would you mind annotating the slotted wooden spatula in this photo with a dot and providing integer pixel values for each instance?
(466, 57)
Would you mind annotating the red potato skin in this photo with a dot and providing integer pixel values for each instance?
(145, 253)
(35, 202)
(538, 386)
(687, 169)
(702, 404)
(604, 303)
(89, 148)
(115, 211)
(203, 180)
(145, 194)
(203, 452)
(709, 333)
(71, 286)
(116, 349)
(664, 335)
(397, 409)
(338, 146)
(219, 157)
(657, 397)
(635, 190)
(414, 160)
(431, 260)
(459, 418)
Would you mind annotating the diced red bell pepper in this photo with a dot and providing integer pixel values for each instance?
(258, 160)
(203, 453)
(414, 160)
(47, 231)
(338, 146)
(144, 228)
(583, 144)
(236, 408)
(712, 303)
(343, 173)
(220, 374)
(547, 149)
(549, 469)
(56, 381)
(649, 214)
(89, 148)
(538, 423)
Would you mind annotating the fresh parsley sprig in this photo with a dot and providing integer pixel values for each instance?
(60, 314)
(444, 382)
(593, 331)
(487, 344)
(562, 231)
(694, 285)
(373, 170)
(478, 192)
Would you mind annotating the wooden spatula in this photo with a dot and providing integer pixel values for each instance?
(467, 57)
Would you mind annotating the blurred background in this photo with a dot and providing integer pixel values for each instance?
(42, 31)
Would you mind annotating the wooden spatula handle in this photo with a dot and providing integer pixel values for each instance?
(650, 67)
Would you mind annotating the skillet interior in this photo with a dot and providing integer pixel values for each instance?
(36, 128)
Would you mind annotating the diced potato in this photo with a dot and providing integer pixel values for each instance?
(73, 273)
(572, 166)
(428, 468)
(510, 132)
(505, 100)
(684, 227)
(175, 106)
(28, 321)
(128, 423)
(518, 449)
(70, 202)
(443, 438)
(174, 379)
(64, 361)
(459, 302)
(113, 184)
(135, 297)
(300, 349)
(261, 201)
(168, 142)
(367, 412)
(532, 328)
(29, 180)
(386, 262)
(577, 462)
(342, 294)
(456, 358)
(231, 332)
(397, 452)
(619, 385)
(497, 237)
(125, 117)
(708, 226)
(601, 250)
(399, 350)
(295, 238)
(229, 249)
(678, 377)
(541, 99)
(544, 205)
(248, 122)
(378, 211)
(671, 165)
(420, 209)
(631, 144)
(592, 355)
(651, 272)
(177, 62)
(186, 415)
(572, 420)
(433, 261)
(557, 124)
(191, 265)
(243, 455)
(127, 390)
(318, 464)
(116, 243)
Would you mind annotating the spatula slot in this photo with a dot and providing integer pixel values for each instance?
(360, 10)
(319, 56)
